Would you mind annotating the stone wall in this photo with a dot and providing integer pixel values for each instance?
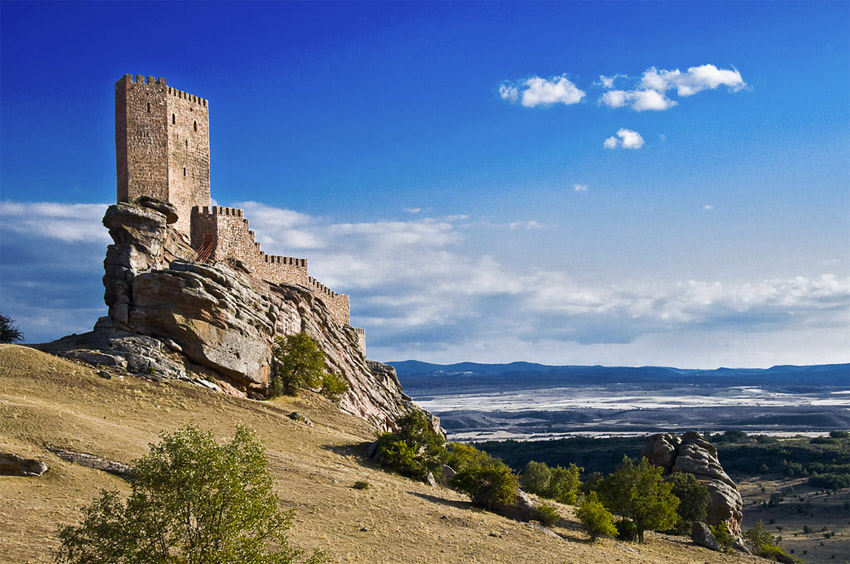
(229, 232)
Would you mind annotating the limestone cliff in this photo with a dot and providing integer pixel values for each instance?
(171, 316)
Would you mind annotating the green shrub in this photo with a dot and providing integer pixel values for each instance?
(626, 530)
(193, 501)
(558, 483)
(535, 477)
(415, 449)
(333, 386)
(637, 491)
(693, 500)
(722, 535)
(488, 485)
(461, 456)
(548, 514)
(361, 485)
(596, 520)
(839, 434)
(299, 363)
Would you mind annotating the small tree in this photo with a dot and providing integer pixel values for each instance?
(333, 386)
(637, 491)
(721, 534)
(193, 501)
(8, 332)
(300, 363)
(415, 449)
(693, 500)
(596, 520)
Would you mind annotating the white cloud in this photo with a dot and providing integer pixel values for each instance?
(537, 91)
(708, 207)
(639, 100)
(696, 79)
(527, 225)
(580, 187)
(413, 210)
(626, 138)
(66, 222)
(650, 93)
(608, 81)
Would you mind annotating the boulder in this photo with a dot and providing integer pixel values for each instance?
(14, 465)
(701, 535)
(691, 453)
(523, 508)
(91, 461)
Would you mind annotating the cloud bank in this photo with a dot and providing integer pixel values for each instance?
(421, 292)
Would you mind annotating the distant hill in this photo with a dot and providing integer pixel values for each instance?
(414, 373)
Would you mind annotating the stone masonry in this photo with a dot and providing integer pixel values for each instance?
(163, 152)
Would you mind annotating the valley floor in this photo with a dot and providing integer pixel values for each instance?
(48, 401)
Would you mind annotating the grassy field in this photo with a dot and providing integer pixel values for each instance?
(48, 401)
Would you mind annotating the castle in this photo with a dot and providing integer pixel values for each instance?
(162, 147)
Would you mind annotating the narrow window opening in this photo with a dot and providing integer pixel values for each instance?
(187, 142)
(196, 126)
(149, 107)
(184, 171)
(173, 118)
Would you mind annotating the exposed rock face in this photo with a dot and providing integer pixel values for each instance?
(693, 454)
(171, 317)
(91, 461)
(14, 465)
(702, 536)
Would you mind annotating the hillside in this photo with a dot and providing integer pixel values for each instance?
(50, 401)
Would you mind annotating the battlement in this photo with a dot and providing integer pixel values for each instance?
(291, 261)
(187, 96)
(141, 79)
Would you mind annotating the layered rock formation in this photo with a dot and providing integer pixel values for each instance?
(173, 317)
(693, 454)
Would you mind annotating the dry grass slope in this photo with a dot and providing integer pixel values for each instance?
(48, 401)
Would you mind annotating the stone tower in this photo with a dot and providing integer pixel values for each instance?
(162, 145)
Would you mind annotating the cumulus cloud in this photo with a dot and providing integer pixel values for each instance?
(626, 138)
(580, 187)
(650, 92)
(537, 91)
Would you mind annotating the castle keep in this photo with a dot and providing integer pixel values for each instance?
(162, 145)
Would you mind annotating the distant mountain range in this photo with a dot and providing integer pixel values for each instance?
(528, 375)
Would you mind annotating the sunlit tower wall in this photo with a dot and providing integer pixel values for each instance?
(162, 145)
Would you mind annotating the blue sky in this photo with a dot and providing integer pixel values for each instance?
(572, 183)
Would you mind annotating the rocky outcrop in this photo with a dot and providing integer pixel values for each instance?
(693, 454)
(91, 461)
(173, 317)
(14, 465)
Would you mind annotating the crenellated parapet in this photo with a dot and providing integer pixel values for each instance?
(226, 233)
